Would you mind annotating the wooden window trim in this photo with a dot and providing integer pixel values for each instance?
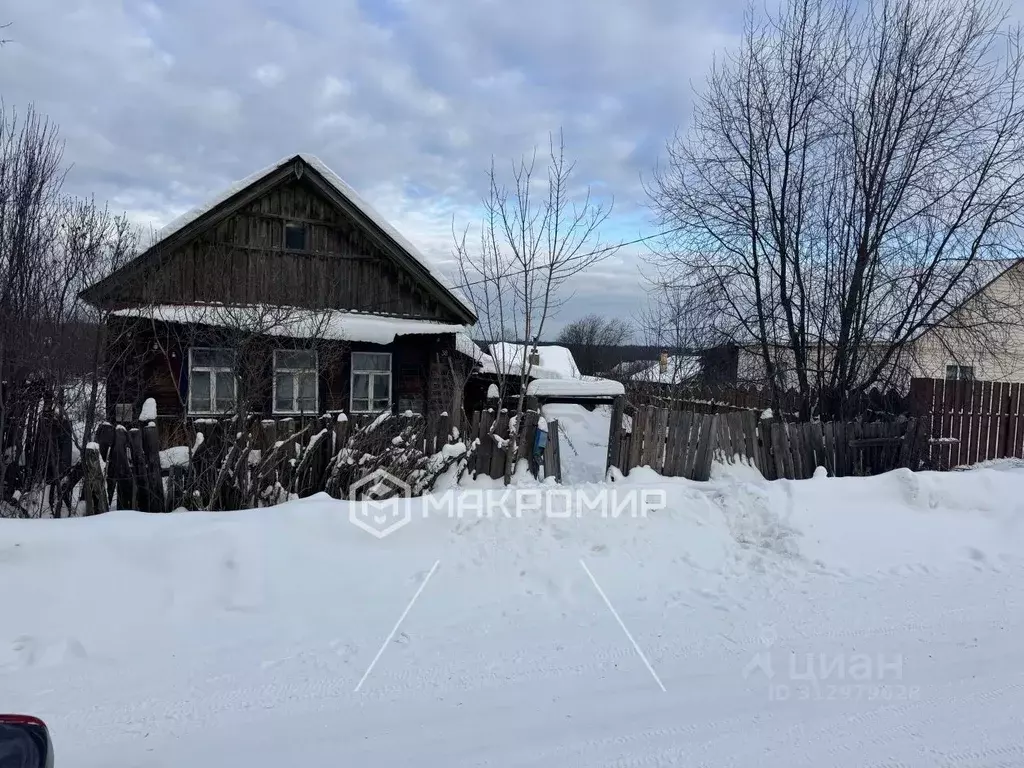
(352, 378)
(214, 371)
(316, 378)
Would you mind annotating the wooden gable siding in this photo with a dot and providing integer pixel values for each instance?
(242, 260)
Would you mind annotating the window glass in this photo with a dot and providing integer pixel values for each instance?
(295, 237)
(371, 361)
(285, 392)
(296, 358)
(199, 391)
(213, 358)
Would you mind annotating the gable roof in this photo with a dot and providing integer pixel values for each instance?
(678, 369)
(241, 192)
(556, 362)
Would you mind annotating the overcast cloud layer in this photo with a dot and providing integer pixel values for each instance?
(164, 103)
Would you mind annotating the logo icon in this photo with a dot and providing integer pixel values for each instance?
(379, 503)
(762, 662)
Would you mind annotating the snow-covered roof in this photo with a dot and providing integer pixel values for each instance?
(293, 323)
(679, 368)
(342, 188)
(556, 375)
(555, 362)
(464, 343)
(588, 386)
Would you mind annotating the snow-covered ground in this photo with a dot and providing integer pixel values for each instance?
(583, 445)
(213, 639)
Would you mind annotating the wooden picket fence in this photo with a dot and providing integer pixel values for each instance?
(970, 421)
(267, 461)
(495, 457)
(725, 398)
(684, 444)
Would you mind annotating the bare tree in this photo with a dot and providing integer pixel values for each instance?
(592, 338)
(537, 234)
(851, 173)
(50, 244)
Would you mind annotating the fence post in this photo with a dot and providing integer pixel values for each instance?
(151, 446)
(706, 447)
(93, 486)
(615, 434)
(552, 454)
(140, 499)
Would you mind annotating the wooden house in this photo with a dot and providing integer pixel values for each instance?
(286, 295)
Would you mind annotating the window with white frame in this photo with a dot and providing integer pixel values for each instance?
(212, 385)
(295, 381)
(371, 382)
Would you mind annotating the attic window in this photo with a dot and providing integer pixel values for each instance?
(295, 237)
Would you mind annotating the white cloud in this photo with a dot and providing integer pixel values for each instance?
(268, 74)
(334, 88)
(163, 104)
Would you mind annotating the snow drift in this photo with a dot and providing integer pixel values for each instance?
(209, 639)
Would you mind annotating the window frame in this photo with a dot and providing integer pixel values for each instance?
(295, 390)
(958, 371)
(305, 235)
(369, 391)
(214, 372)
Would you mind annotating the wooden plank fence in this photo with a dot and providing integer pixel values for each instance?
(969, 421)
(269, 460)
(685, 444)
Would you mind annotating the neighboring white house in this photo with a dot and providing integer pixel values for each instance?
(982, 339)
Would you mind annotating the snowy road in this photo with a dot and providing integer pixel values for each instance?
(239, 640)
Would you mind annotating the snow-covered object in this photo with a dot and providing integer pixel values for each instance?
(678, 369)
(492, 392)
(542, 424)
(555, 362)
(590, 386)
(584, 444)
(342, 188)
(767, 413)
(465, 344)
(342, 416)
(176, 456)
(557, 367)
(293, 322)
(148, 412)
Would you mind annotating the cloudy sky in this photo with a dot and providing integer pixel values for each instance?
(164, 102)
